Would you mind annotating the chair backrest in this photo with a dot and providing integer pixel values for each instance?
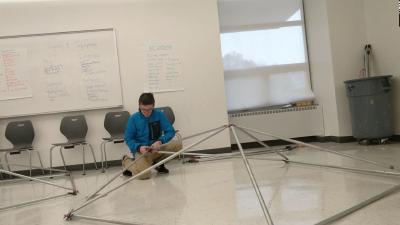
(74, 128)
(20, 134)
(115, 123)
(168, 113)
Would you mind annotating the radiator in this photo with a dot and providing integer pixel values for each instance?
(289, 122)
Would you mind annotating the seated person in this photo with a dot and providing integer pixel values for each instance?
(147, 132)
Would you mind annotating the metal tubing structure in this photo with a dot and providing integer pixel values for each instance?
(91, 199)
(35, 179)
(262, 143)
(321, 149)
(131, 164)
(359, 206)
(33, 202)
(351, 169)
(253, 180)
(105, 220)
(72, 189)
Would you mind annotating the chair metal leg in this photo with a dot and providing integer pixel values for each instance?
(30, 163)
(102, 156)
(40, 161)
(105, 155)
(1, 167)
(94, 157)
(62, 157)
(51, 160)
(83, 159)
(8, 165)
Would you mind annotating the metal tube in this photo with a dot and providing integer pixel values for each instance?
(204, 132)
(321, 149)
(112, 179)
(102, 157)
(32, 178)
(94, 157)
(253, 181)
(359, 206)
(91, 200)
(36, 167)
(105, 220)
(40, 161)
(235, 155)
(31, 202)
(83, 160)
(348, 168)
(262, 143)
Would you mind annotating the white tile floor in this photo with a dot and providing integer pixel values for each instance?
(220, 193)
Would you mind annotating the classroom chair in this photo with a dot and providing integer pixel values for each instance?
(74, 128)
(114, 123)
(169, 113)
(21, 135)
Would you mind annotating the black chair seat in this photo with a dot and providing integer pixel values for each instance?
(74, 128)
(114, 123)
(21, 135)
(69, 143)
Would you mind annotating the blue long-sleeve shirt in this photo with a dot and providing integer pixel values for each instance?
(142, 131)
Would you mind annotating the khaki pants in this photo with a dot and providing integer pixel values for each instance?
(144, 161)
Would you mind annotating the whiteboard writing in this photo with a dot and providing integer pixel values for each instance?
(13, 78)
(67, 71)
(163, 67)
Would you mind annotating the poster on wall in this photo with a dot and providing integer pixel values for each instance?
(163, 68)
(14, 81)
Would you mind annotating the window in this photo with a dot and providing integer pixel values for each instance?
(264, 53)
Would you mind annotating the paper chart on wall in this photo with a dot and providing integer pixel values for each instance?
(163, 68)
(14, 82)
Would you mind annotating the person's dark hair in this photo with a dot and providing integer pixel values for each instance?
(146, 99)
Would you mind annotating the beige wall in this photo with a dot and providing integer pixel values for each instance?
(190, 25)
(383, 33)
(337, 32)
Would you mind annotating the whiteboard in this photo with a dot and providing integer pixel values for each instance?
(59, 72)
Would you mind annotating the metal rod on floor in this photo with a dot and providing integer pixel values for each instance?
(113, 178)
(201, 133)
(262, 143)
(321, 149)
(359, 206)
(105, 220)
(237, 155)
(89, 201)
(253, 180)
(35, 179)
(132, 163)
(32, 202)
(336, 167)
(36, 167)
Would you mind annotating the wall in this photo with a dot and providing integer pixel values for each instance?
(383, 33)
(192, 26)
(337, 32)
(320, 60)
(336, 39)
(347, 34)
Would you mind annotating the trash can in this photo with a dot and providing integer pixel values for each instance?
(371, 107)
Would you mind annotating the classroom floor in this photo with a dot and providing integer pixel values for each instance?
(220, 193)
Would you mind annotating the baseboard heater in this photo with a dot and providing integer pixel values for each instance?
(286, 122)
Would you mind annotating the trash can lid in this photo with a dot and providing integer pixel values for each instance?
(368, 78)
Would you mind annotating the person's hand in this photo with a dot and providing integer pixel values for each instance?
(156, 146)
(144, 149)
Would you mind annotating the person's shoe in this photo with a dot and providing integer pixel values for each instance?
(126, 172)
(161, 169)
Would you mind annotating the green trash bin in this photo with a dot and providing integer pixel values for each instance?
(371, 107)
